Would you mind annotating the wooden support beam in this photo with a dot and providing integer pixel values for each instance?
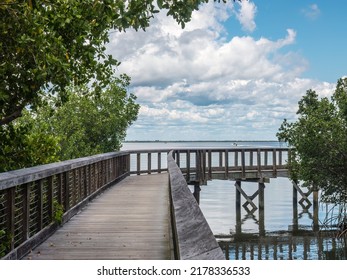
(197, 191)
(248, 199)
(261, 204)
(238, 207)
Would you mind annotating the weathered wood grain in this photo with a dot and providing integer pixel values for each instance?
(130, 220)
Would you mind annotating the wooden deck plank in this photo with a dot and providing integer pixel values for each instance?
(130, 220)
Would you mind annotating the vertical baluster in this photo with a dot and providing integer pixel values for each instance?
(221, 159)
(66, 191)
(188, 165)
(11, 213)
(226, 159)
(250, 158)
(274, 168)
(159, 162)
(149, 163)
(50, 197)
(259, 162)
(86, 181)
(138, 165)
(243, 164)
(26, 211)
(60, 186)
(210, 165)
(40, 204)
(178, 158)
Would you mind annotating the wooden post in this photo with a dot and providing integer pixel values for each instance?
(196, 193)
(149, 163)
(238, 207)
(220, 159)
(261, 204)
(259, 162)
(209, 165)
(188, 165)
(226, 155)
(203, 167)
(178, 158)
(274, 160)
(159, 162)
(138, 165)
(243, 164)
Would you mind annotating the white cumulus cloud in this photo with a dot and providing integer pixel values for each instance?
(195, 84)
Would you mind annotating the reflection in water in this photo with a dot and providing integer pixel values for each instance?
(285, 247)
(281, 230)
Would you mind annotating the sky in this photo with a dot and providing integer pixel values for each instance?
(235, 72)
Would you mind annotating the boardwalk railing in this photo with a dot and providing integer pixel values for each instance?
(33, 200)
(193, 236)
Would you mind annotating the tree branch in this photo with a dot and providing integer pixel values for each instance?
(16, 114)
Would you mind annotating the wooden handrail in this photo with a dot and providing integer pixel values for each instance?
(193, 236)
(33, 200)
(215, 163)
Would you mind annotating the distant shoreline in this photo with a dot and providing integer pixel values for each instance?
(191, 141)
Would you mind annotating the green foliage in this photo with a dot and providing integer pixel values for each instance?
(5, 243)
(58, 212)
(84, 125)
(26, 142)
(47, 45)
(319, 140)
(88, 124)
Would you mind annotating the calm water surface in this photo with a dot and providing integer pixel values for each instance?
(217, 202)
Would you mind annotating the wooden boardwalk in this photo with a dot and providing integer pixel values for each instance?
(128, 221)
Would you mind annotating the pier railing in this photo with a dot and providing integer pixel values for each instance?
(34, 200)
(207, 164)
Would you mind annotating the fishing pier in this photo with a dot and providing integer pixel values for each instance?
(129, 204)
